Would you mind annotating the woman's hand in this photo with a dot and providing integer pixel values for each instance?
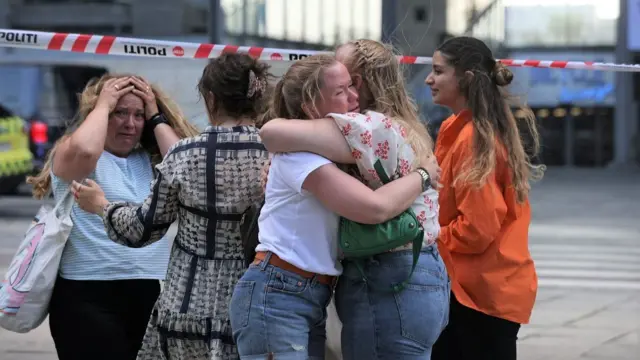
(430, 163)
(264, 175)
(144, 91)
(112, 91)
(89, 197)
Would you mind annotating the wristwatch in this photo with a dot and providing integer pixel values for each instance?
(426, 179)
(155, 120)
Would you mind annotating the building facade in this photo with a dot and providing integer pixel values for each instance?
(578, 111)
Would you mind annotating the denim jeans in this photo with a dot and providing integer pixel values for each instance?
(380, 324)
(278, 313)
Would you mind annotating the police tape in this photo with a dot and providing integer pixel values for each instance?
(112, 45)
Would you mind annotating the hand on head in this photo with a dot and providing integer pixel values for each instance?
(113, 89)
(144, 91)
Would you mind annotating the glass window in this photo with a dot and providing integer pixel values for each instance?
(19, 88)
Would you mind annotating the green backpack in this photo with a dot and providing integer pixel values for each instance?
(359, 241)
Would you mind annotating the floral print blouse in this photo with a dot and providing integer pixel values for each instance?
(373, 136)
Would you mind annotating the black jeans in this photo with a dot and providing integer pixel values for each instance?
(473, 335)
(100, 319)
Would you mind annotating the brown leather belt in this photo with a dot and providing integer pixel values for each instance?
(277, 262)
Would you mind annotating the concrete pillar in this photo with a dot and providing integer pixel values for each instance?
(414, 35)
(4, 14)
(157, 18)
(389, 20)
(625, 110)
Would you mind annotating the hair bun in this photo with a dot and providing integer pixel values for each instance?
(502, 75)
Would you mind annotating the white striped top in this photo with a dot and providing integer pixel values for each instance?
(89, 253)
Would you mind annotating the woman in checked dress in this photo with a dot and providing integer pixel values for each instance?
(206, 182)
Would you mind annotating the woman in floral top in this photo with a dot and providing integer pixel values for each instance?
(379, 324)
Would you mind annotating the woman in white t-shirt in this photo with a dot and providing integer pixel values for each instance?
(278, 307)
(379, 324)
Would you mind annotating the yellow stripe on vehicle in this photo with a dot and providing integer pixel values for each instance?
(18, 159)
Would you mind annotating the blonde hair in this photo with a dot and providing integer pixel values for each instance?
(88, 98)
(383, 76)
(299, 87)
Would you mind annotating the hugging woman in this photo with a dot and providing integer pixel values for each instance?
(379, 324)
(279, 306)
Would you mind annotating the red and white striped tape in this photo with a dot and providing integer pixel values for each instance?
(111, 45)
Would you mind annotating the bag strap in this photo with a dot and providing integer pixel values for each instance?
(63, 207)
(417, 243)
(384, 178)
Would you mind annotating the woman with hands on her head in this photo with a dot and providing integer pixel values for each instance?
(105, 292)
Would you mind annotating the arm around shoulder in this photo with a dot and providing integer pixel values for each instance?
(350, 198)
(320, 136)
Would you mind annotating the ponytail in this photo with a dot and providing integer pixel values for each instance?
(278, 103)
(277, 106)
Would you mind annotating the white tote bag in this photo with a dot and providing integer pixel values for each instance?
(28, 284)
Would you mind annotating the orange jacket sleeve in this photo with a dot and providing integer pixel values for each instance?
(481, 212)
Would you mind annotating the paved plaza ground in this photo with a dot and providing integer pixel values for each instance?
(585, 239)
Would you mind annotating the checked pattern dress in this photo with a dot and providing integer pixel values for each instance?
(206, 183)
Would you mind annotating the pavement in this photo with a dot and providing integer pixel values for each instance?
(584, 238)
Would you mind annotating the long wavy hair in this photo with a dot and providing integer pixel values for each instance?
(383, 76)
(88, 98)
(481, 80)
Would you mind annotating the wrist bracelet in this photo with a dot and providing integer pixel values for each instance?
(155, 121)
(154, 116)
(426, 179)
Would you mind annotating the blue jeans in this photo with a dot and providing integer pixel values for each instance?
(379, 324)
(279, 313)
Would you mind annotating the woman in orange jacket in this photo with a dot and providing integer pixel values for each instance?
(484, 206)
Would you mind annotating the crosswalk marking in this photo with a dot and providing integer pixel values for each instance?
(611, 249)
(589, 274)
(590, 284)
(592, 257)
(608, 265)
(563, 264)
(582, 232)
